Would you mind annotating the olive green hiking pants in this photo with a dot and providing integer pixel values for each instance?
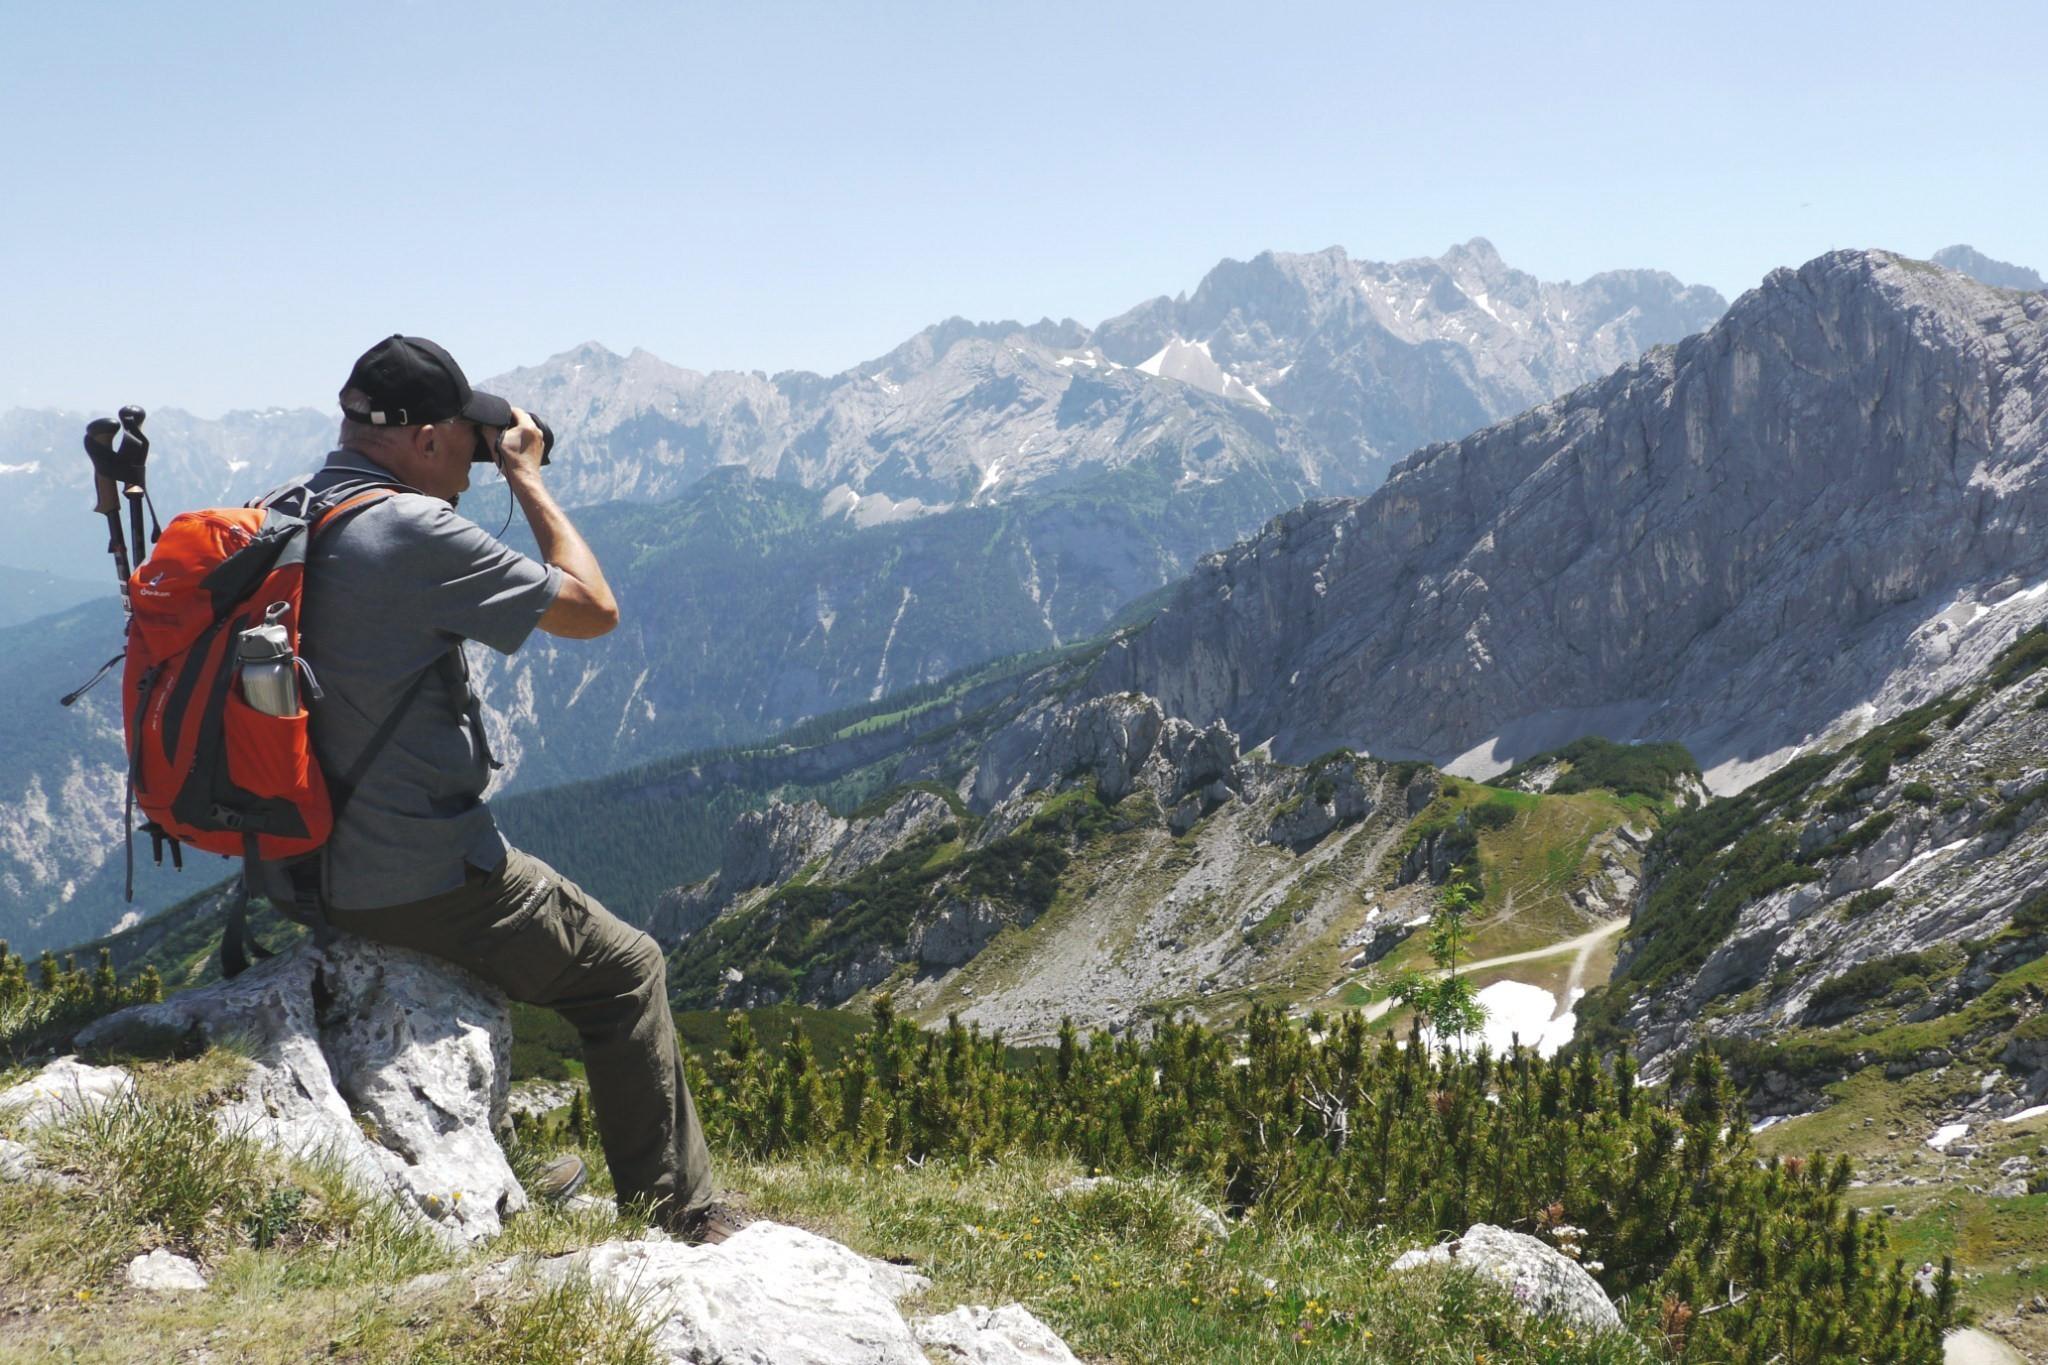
(543, 940)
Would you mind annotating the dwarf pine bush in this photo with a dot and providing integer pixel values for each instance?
(1667, 1204)
(58, 996)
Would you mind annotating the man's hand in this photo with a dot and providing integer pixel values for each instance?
(520, 446)
(585, 608)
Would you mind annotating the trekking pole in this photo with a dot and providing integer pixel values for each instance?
(99, 447)
(119, 470)
(134, 451)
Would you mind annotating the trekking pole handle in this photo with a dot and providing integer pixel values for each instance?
(99, 446)
(131, 430)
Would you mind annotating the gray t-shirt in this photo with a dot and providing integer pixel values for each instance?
(392, 592)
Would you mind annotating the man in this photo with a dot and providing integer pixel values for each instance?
(391, 594)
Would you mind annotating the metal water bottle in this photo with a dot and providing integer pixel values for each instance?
(268, 668)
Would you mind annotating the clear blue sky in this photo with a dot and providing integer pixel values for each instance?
(215, 205)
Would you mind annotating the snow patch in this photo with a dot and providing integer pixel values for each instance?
(1946, 1134)
(1190, 363)
(1518, 1011)
(1918, 859)
(882, 669)
(2033, 1113)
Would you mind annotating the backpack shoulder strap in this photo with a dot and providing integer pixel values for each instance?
(329, 510)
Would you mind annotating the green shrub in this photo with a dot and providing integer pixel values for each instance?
(1863, 902)
(1320, 1125)
(1853, 840)
(2008, 815)
(1919, 793)
(1596, 764)
(1871, 980)
(2021, 658)
(1491, 815)
(1875, 771)
(58, 998)
(2032, 913)
(1912, 746)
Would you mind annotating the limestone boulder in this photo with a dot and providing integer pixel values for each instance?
(165, 1272)
(63, 1088)
(1542, 1279)
(1009, 1335)
(770, 1295)
(391, 1062)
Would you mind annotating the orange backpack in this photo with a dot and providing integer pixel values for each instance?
(207, 768)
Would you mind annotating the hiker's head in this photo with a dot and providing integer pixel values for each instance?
(434, 457)
(408, 406)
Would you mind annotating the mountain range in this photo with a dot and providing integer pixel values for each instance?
(1820, 512)
(792, 545)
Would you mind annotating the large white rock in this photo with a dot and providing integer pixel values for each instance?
(391, 1062)
(65, 1087)
(769, 1295)
(165, 1272)
(992, 1336)
(1541, 1278)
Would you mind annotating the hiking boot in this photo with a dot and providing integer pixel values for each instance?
(560, 1178)
(708, 1224)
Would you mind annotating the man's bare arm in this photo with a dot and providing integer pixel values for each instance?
(585, 607)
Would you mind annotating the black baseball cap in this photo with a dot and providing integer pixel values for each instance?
(409, 381)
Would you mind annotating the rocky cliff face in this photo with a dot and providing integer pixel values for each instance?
(1819, 513)
(1901, 878)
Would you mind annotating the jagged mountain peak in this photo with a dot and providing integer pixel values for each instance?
(931, 346)
(1829, 501)
(1999, 274)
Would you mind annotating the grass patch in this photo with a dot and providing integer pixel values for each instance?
(1124, 1271)
(1595, 764)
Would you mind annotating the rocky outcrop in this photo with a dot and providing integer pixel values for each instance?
(777, 1295)
(1123, 742)
(390, 1062)
(63, 1089)
(763, 848)
(1946, 848)
(1540, 1277)
(1617, 856)
(1323, 797)
(1831, 500)
(768, 848)
(972, 1335)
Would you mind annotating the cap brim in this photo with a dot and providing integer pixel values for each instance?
(487, 408)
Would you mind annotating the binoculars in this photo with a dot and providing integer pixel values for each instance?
(487, 451)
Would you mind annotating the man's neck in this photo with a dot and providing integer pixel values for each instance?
(354, 457)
